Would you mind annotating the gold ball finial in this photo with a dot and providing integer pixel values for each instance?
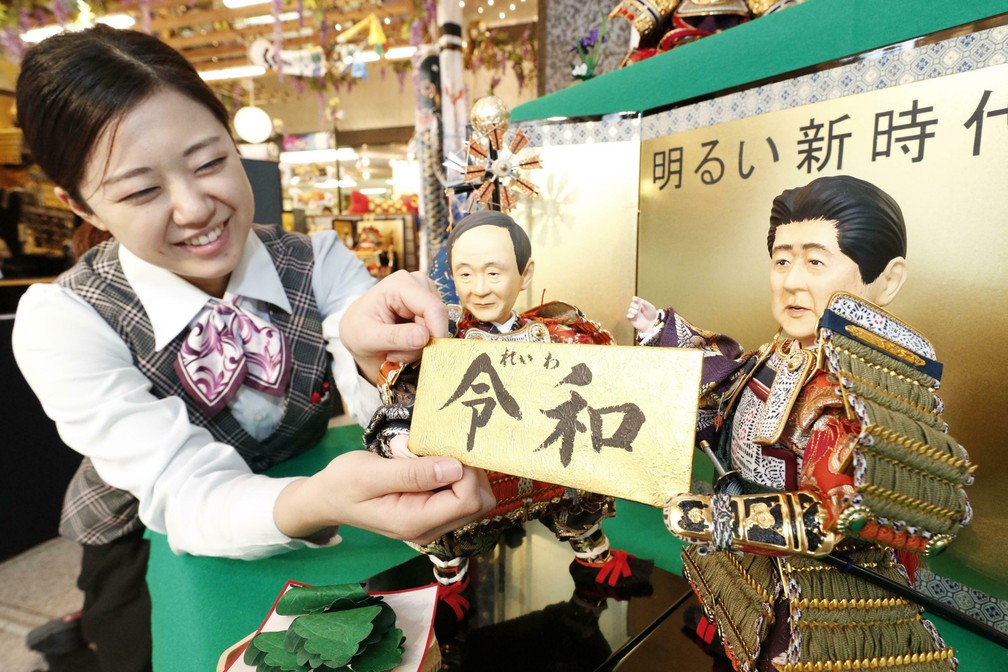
(489, 112)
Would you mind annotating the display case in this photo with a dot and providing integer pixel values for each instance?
(384, 243)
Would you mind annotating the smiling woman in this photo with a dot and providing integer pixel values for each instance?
(193, 349)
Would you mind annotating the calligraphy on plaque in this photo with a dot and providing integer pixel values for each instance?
(613, 420)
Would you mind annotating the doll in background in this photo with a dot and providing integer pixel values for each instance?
(490, 259)
(829, 440)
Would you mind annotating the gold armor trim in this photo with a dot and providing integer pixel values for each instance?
(757, 7)
(906, 660)
(797, 366)
(897, 351)
(878, 603)
(533, 332)
(712, 7)
(920, 447)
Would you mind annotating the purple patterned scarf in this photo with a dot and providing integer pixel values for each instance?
(227, 348)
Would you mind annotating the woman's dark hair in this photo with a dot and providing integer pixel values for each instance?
(74, 85)
(870, 227)
(519, 239)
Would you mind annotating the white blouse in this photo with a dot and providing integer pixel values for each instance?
(197, 491)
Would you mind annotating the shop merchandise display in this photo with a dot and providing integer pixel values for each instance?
(828, 441)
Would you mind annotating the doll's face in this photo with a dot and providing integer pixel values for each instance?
(486, 273)
(167, 182)
(806, 269)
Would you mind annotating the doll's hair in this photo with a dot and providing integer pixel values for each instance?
(519, 239)
(869, 223)
(75, 85)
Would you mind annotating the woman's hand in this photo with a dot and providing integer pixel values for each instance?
(393, 321)
(641, 314)
(415, 500)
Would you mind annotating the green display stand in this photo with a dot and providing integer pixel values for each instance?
(201, 606)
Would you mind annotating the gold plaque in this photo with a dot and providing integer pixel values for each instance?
(612, 420)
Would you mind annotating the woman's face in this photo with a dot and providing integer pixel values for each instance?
(167, 182)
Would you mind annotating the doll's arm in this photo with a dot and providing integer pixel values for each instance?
(388, 431)
(801, 521)
(785, 522)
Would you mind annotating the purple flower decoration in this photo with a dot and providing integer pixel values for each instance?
(589, 51)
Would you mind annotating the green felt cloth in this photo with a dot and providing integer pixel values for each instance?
(805, 35)
(201, 606)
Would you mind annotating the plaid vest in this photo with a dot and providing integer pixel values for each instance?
(95, 512)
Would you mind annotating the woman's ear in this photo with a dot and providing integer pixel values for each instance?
(78, 209)
(887, 285)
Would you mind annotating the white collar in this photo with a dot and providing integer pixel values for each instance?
(172, 303)
(505, 327)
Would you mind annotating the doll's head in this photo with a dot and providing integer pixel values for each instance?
(489, 257)
(869, 223)
(834, 234)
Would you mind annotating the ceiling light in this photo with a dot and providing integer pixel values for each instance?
(233, 73)
(36, 35)
(373, 191)
(253, 124)
(387, 20)
(330, 183)
(266, 19)
(237, 4)
(400, 53)
(362, 57)
(121, 21)
(319, 155)
(502, 15)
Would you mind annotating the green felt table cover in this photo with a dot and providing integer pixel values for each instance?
(814, 32)
(201, 606)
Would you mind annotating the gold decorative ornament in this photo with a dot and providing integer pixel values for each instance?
(489, 112)
(492, 165)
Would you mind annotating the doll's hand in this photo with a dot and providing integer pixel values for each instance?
(641, 314)
(416, 500)
(393, 321)
(398, 446)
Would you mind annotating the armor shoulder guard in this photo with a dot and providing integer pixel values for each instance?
(567, 324)
(910, 474)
